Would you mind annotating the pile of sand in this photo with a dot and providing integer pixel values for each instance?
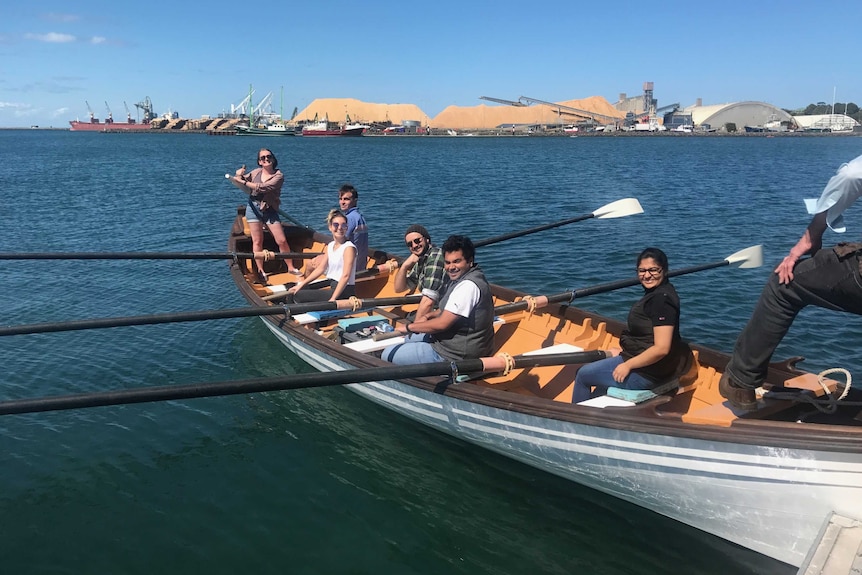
(338, 108)
(455, 117)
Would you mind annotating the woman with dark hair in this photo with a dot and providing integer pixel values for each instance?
(337, 262)
(653, 353)
(263, 186)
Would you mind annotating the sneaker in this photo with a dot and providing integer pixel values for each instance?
(739, 397)
(260, 278)
(295, 271)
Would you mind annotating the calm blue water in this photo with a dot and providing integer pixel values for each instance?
(319, 481)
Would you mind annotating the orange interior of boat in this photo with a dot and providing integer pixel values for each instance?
(695, 401)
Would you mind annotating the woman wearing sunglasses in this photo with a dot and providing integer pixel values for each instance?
(653, 353)
(263, 186)
(337, 263)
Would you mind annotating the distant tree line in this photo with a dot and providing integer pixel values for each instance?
(849, 109)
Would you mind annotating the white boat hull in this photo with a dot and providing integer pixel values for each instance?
(770, 500)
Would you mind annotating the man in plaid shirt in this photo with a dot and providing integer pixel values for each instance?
(423, 269)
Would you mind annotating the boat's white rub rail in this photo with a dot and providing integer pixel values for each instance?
(562, 438)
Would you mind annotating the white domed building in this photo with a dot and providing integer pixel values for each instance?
(759, 116)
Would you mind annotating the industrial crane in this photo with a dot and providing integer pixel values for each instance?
(147, 107)
(110, 118)
(129, 118)
(242, 109)
(93, 118)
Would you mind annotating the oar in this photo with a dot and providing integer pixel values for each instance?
(203, 315)
(156, 255)
(617, 209)
(750, 257)
(235, 387)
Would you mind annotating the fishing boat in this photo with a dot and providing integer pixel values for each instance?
(767, 480)
(266, 126)
(277, 129)
(326, 128)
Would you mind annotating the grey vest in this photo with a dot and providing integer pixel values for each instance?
(471, 337)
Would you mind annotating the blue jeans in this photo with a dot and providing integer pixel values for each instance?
(823, 280)
(599, 374)
(415, 349)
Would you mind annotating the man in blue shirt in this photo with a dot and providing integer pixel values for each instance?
(357, 229)
(830, 278)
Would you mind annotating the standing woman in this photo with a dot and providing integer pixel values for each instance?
(263, 186)
(653, 353)
(337, 263)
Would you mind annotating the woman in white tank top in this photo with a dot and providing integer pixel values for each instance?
(337, 263)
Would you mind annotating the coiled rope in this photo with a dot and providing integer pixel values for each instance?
(827, 404)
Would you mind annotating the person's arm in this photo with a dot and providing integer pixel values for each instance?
(240, 180)
(349, 256)
(423, 312)
(440, 322)
(315, 273)
(662, 340)
(809, 243)
(431, 284)
(462, 300)
(400, 282)
(351, 226)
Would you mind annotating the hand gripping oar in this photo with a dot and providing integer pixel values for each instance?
(617, 209)
(195, 390)
(750, 257)
(203, 315)
(157, 255)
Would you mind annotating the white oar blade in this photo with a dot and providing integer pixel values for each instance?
(619, 209)
(748, 258)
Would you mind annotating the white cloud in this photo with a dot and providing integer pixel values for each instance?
(13, 105)
(60, 112)
(51, 37)
(98, 40)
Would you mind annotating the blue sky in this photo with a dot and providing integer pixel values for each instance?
(199, 58)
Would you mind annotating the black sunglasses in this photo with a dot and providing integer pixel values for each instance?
(414, 241)
(265, 158)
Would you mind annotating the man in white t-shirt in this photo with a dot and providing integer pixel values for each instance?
(830, 278)
(463, 325)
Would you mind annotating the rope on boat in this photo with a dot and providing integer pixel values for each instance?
(393, 266)
(355, 303)
(453, 372)
(822, 375)
(510, 362)
(827, 404)
(268, 255)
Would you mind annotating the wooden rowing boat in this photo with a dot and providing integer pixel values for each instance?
(767, 480)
